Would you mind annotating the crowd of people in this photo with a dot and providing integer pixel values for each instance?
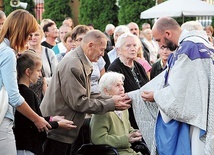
(75, 85)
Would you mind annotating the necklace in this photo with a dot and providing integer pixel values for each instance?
(135, 76)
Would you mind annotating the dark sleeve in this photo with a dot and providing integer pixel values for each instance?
(47, 118)
(109, 46)
(54, 124)
(152, 73)
(106, 58)
(146, 53)
(31, 100)
(114, 66)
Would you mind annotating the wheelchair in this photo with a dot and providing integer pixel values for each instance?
(104, 149)
(88, 148)
(91, 149)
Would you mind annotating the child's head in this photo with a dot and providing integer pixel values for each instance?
(29, 64)
(111, 83)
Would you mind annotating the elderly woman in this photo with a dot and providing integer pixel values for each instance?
(113, 128)
(136, 77)
(113, 54)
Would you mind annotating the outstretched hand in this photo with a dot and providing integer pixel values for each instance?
(66, 124)
(122, 102)
(148, 96)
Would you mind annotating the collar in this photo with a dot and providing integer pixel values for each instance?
(118, 113)
(5, 42)
(196, 36)
(84, 59)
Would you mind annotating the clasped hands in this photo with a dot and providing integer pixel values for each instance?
(135, 136)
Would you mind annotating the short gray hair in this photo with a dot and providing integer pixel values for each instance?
(94, 36)
(108, 79)
(191, 25)
(109, 27)
(121, 39)
(121, 29)
(2, 14)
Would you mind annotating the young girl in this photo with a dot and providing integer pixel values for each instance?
(28, 139)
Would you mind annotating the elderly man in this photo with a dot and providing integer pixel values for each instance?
(185, 121)
(69, 92)
(146, 26)
(109, 31)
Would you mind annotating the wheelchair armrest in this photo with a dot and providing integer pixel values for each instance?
(141, 147)
(96, 149)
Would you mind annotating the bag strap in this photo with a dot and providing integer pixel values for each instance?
(46, 52)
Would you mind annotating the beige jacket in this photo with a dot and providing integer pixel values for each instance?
(69, 95)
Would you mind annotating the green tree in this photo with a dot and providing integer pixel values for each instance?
(130, 10)
(98, 12)
(8, 8)
(57, 10)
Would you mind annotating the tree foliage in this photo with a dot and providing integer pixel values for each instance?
(130, 10)
(98, 12)
(57, 10)
(30, 7)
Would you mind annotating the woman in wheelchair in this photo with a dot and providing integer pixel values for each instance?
(113, 128)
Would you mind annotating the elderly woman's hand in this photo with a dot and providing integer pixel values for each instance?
(135, 136)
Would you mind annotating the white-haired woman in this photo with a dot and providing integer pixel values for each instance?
(113, 128)
(113, 54)
(127, 46)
